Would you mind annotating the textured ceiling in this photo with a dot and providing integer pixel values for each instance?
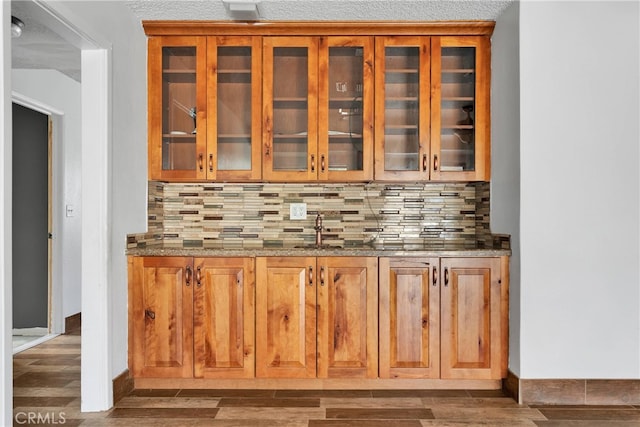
(41, 48)
(324, 10)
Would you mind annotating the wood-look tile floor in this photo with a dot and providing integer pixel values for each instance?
(47, 391)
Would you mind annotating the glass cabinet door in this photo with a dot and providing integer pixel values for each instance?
(177, 107)
(460, 108)
(290, 108)
(345, 110)
(402, 108)
(234, 94)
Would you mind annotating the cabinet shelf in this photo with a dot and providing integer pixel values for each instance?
(178, 72)
(234, 136)
(238, 71)
(392, 99)
(179, 137)
(400, 127)
(458, 71)
(345, 135)
(458, 99)
(290, 99)
(469, 127)
(401, 71)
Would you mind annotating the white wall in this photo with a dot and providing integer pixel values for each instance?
(505, 157)
(6, 320)
(115, 22)
(56, 90)
(580, 189)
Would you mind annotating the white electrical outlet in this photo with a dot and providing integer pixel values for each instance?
(298, 211)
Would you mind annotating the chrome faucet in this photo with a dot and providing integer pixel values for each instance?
(318, 229)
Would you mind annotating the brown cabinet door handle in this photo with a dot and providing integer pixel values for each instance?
(188, 275)
(210, 162)
(201, 162)
(322, 163)
(267, 150)
(435, 276)
(435, 163)
(199, 276)
(446, 277)
(424, 162)
(150, 314)
(322, 276)
(310, 276)
(313, 163)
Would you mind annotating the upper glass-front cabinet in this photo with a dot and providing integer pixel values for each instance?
(234, 99)
(345, 110)
(318, 108)
(402, 108)
(460, 108)
(290, 91)
(177, 107)
(204, 108)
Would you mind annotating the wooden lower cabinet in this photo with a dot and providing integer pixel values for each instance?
(316, 317)
(191, 317)
(442, 318)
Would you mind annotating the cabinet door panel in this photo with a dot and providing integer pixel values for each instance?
(177, 105)
(460, 140)
(402, 108)
(345, 108)
(162, 317)
(234, 100)
(286, 318)
(347, 319)
(224, 318)
(409, 318)
(290, 99)
(471, 317)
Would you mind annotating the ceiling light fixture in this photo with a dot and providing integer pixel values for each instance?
(16, 27)
(246, 10)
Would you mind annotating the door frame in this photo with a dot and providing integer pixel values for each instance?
(55, 323)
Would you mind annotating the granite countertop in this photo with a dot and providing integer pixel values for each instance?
(444, 250)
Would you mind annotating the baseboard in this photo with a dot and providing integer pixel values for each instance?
(72, 324)
(122, 386)
(573, 391)
(316, 384)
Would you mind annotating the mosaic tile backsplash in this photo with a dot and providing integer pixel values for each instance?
(213, 215)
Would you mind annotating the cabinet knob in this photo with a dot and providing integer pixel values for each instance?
(322, 276)
(150, 314)
(310, 276)
(446, 277)
(322, 163)
(210, 162)
(313, 163)
(435, 276)
(201, 162)
(424, 162)
(435, 162)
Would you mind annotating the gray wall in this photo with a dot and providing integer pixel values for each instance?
(30, 218)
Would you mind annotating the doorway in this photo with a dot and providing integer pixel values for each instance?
(31, 227)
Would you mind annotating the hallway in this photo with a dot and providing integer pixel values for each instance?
(47, 392)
